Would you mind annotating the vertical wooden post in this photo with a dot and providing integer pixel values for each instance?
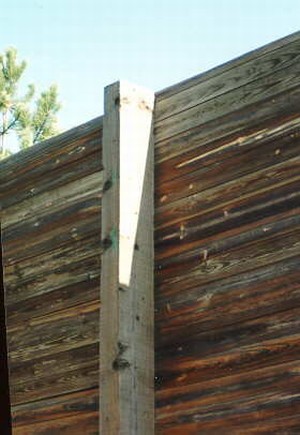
(126, 325)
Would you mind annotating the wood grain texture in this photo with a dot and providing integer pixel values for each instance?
(227, 280)
(126, 330)
(5, 415)
(51, 215)
(209, 86)
(72, 371)
(68, 414)
(255, 119)
(58, 160)
(251, 56)
(219, 400)
(252, 93)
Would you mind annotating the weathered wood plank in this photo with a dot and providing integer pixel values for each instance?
(74, 232)
(49, 376)
(238, 259)
(201, 169)
(210, 87)
(248, 214)
(260, 291)
(53, 201)
(126, 352)
(85, 423)
(71, 264)
(73, 274)
(51, 231)
(265, 185)
(5, 414)
(57, 332)
(275, 379)
(56, 299)
(174, 371)
(227, 254)
(217, 242)
(55, 409)
(258, 387)
(29, 185)
(201, 344)
(231, 65)
(252, 119)
(251, 93)
(258, 416)
(46, 223)
(30, 160)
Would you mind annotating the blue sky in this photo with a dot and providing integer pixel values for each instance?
(85, 45)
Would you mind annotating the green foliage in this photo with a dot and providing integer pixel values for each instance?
(40, 124)
(31, 124)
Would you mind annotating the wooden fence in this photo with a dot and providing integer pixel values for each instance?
(51, 237)
(227, 248)
(226, 262)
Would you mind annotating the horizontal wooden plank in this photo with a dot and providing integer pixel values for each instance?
(273, 380)
(254, 293)
(220, 238)
(48, 376)
(82, 168)
(51, 173)
(57, 332)
(199, 170)
(200, 343)
(212, 245)
(236, 76)
(288, 424)
(246, 214)
(72, 274)
(49, 202)
(55, 299)
(259, 417)
(246, 189)
(176, 370)
(35, 227)
(226, 245)
(53, 240)
(252, 119)
(33, 159)
(86, 423)
(257, 91)
(232, 395)
(56, 408)
(51, 231)
(65, 413)
(73, 263)
(230, 65)
(231, 262)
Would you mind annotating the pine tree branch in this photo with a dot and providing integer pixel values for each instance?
(40, 129)
(9, 126)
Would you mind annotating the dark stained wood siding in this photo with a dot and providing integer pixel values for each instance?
(227, 248)
(227, 281)
(51, 217)
(5, 415)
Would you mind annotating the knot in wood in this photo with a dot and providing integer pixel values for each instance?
(120, 364)
(107, 185)
(106, 243)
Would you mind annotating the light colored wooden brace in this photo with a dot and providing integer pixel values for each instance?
(126, 320)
